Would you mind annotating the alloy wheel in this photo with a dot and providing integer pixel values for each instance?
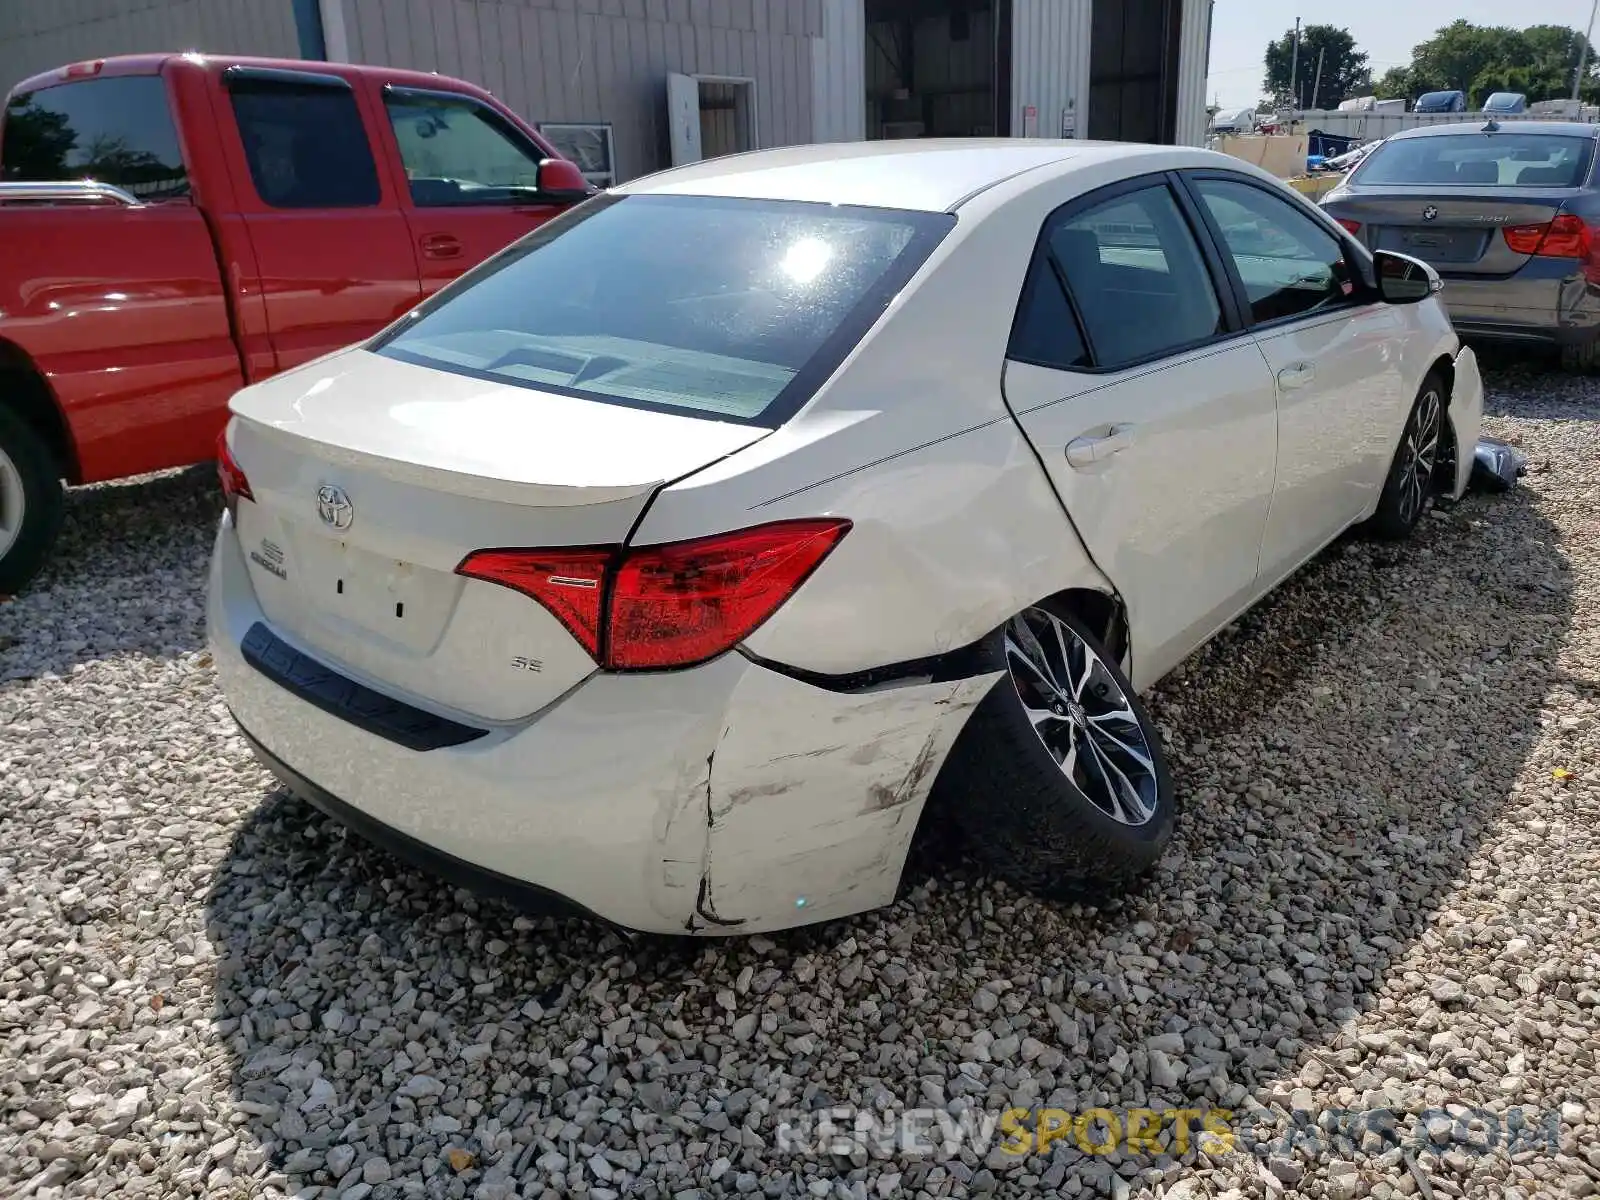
(13, 503)
(1419, 454)
(1082, 716)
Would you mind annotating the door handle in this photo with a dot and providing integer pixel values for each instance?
(1297, 375)
(1086, 451)
(440, 245)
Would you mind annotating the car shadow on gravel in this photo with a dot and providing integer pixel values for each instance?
(1328, 814)
(127, 577)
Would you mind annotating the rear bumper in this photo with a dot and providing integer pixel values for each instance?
(727, 798)
(1545, 302)
(451, 869)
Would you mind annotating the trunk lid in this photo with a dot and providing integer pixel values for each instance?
(373, 478)
(1464, 235)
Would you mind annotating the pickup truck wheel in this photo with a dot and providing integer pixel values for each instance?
(31, 502)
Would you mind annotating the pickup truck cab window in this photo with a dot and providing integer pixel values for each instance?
(305, 144)
(456, 151)
(118, 131)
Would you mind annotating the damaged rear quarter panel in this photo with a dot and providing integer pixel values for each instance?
(814, 795)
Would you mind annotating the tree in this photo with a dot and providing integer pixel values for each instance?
(1477, 59)
(1454, 57)
(38, 143)
(1394, 84)
(1344, 68)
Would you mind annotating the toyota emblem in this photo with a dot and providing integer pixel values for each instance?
(334, 507)
(1430, 213)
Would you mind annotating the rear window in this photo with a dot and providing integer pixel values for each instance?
(117, 131)
(731, 309)
(1551, 160)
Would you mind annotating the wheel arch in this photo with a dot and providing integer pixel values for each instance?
(26, 392)
(1445, 366)
(1445, 469)
(1102, 611)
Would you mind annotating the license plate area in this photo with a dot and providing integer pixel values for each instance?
(404, 604)
(1433, 245)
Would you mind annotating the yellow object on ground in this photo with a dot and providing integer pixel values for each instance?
(1314, 187)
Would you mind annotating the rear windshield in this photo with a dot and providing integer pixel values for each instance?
(732, 309)
(1547, 160)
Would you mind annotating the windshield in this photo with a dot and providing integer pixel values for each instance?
(1549, 160)
(732, 309)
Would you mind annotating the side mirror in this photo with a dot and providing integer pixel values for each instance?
(560, 182)
(1403, 279)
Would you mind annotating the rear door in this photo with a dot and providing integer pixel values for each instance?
(331, 245)
(1335, 353)
(121, 305)
(469, 173)
(1155, 420)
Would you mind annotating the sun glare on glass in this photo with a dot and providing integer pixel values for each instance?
(806, 259)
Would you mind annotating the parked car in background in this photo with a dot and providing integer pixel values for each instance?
(1505, 102)
(665, 565)
(1441, 102)
(1507, 215)
(243, 216)
(1234, 120)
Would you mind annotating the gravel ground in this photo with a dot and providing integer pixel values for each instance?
(1383, 899)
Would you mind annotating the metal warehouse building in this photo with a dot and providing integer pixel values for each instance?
(630, 86)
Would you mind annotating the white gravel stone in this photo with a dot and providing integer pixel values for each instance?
(1383, 896)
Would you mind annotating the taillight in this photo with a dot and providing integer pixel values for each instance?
(1565, 237)
(684, 603)
(1348, 225)
(570, 583)
(661, 607)
(234, 484)
(1525, 239)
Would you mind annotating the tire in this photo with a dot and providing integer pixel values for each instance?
(31, 502)
(1411, 482)
(1581, 359)
(1012, 797)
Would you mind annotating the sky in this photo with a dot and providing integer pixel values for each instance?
(1385, 29)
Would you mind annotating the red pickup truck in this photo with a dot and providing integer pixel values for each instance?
(176, 226)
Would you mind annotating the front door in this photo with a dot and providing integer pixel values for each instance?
(1154, 418)
(470, 176)
(1336, 355)
(331, 245)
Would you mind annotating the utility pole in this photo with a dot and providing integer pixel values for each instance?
(1316, 88)
(1294, 66)
(1583, 51)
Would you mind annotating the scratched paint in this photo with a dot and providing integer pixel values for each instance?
(823, 802)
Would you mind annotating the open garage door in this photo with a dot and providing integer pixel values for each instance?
(933, 66)
(1133, 70)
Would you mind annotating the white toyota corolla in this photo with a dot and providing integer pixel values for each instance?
(664, 565)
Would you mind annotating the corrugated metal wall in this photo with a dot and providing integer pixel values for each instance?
(604, 60)
(838, 91)
(1194, 62)
(36, 35)
(1050, 64)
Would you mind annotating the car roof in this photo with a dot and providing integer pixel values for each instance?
(155, 63)
(929, 175)
(1569, 128)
